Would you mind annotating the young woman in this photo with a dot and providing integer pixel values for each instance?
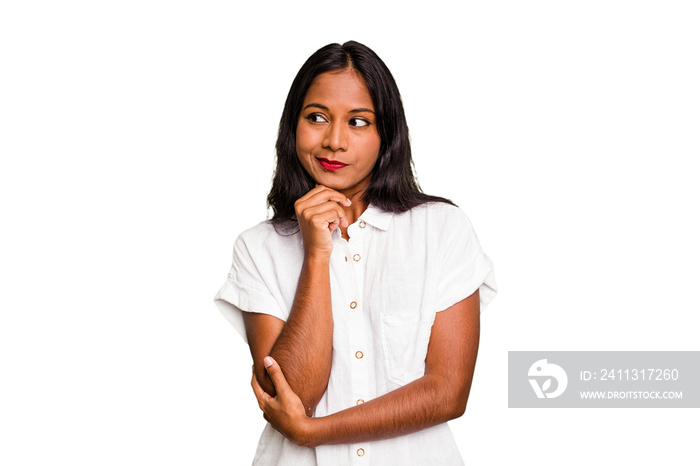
(360, 298)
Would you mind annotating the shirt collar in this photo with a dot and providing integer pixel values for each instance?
(376, 217)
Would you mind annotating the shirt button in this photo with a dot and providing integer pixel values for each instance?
(356, 257)
(362, 224)
(360, 452)
(359, 354)
(353, 305)
(360, 401)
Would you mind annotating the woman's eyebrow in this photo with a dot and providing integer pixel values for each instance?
(323, 107)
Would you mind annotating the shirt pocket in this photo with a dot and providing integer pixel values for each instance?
(405, 343)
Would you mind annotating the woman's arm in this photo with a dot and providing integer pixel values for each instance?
(440, 395)
(303, 344)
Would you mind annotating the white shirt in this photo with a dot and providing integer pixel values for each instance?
(387, 283)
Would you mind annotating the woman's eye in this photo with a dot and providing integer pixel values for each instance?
(316, 118)
(358, 122)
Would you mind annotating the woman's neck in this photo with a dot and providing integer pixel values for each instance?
(354, 210)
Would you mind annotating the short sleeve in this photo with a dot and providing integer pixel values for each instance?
(249, 287)
(464, 268)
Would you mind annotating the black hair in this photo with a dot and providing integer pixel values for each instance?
(393, 186)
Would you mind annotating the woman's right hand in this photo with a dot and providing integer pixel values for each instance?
(319, 212)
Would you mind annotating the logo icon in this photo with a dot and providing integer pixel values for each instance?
(541, 370)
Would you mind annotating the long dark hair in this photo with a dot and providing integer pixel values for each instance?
(393, 186)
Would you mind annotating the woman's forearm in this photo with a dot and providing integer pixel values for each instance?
(304, 347)
(424, 403)
(440, 395)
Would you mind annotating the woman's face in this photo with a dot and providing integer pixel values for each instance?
(337, 138)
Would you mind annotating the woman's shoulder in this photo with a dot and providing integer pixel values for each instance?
(435, 212)
(435, 221)
(268, 235)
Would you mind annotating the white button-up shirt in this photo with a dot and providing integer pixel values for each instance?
(387, 283)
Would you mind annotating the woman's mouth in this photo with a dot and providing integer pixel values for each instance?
(331, 165)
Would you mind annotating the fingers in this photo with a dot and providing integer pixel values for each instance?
(319, 195)
(322, 193)
(260, 394)
(319, 212)
(275, 373)
(323, 215)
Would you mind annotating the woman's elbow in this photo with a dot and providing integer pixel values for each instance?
(459, 406)
(309, 400)
(457, 403)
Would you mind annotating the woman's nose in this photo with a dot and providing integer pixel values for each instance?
(336, 138)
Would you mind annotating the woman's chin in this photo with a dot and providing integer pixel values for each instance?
(331, 182)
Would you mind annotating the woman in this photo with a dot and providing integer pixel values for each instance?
(360, 298)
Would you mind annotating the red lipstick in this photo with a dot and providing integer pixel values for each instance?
(331, 165)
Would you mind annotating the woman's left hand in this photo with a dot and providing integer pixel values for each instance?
(285, 411)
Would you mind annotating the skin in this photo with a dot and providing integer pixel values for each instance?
(437, 397)
(292, 359)
(337, 122)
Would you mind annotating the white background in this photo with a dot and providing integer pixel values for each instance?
(137, 141)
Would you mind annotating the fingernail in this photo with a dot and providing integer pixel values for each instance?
(268, 361)
(349, 201)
